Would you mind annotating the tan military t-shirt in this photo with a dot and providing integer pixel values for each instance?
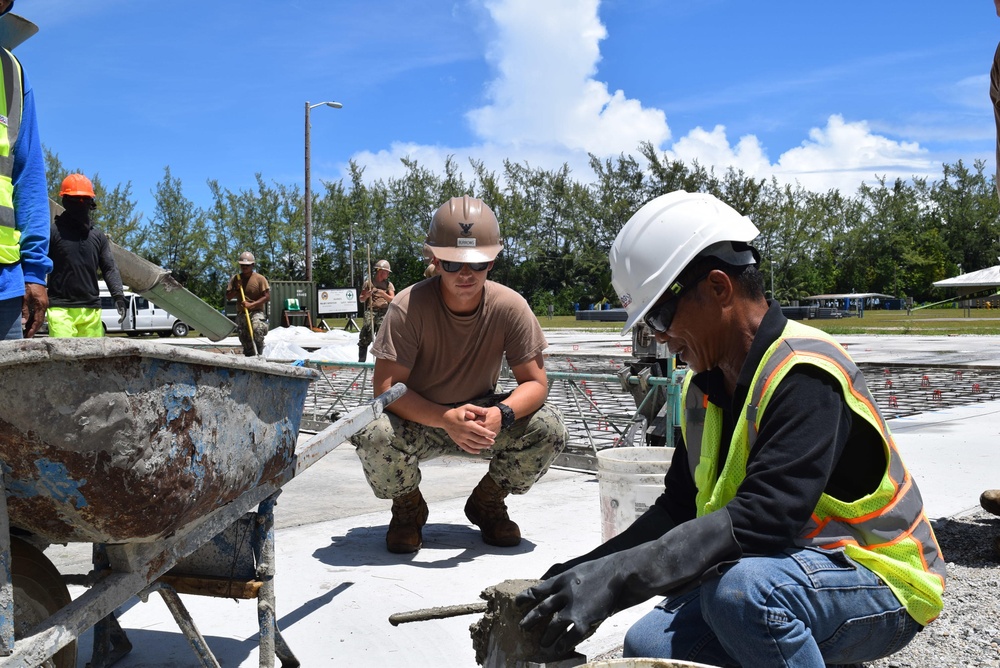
(454, 359)
(378, 303)
(254, 288)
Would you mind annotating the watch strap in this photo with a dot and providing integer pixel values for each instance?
(507, 417)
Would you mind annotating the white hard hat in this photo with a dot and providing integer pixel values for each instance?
(246, 257)
(383, 264)
(662, 238)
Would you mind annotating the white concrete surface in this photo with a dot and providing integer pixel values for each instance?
(337, 585)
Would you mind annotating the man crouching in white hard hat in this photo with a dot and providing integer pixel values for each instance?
(445, 338)
(789, 533)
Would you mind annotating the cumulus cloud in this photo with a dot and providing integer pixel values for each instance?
(546, 94)
(546, 108)
(842, 155)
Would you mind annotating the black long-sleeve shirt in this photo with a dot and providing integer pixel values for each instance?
(77, 254)
(809, 442)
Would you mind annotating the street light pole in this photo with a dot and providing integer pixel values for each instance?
(352, 253)
(308, 202)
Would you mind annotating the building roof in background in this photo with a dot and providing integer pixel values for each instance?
(984, 278)
(852, 295)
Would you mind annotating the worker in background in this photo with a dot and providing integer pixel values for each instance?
(376, 296)
(990, 499)
(251, 292)
(78, 249)
(789, 532)
(24, 206)
(446, 338)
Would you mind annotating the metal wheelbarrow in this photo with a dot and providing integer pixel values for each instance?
(147, 450)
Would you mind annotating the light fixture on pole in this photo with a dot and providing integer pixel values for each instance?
(308, 202)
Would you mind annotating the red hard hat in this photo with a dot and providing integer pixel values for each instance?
(77, 185)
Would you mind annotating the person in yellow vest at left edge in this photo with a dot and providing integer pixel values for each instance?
(78, 249)
(24, 205)
(789, 532)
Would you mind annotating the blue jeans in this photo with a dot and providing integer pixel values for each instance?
(802, 608)
(10, 318)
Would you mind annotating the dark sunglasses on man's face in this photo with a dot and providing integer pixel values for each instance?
(660, 316)
(452, 267)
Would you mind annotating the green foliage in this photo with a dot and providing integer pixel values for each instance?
(896, 238)
(178, 238)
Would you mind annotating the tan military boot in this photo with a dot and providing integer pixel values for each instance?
(990, 501)
(409, 514)
(486, 509)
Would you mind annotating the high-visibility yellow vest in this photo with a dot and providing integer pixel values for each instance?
(11, 100)
(886, 531)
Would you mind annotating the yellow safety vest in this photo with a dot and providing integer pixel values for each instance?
(886, 531)
(11, 99)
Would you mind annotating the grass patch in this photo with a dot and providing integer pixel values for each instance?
(930, 322)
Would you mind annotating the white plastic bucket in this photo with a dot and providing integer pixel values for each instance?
(629, 480)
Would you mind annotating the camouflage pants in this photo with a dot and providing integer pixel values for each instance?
(259, 332)
(391, 448)
(373, 320)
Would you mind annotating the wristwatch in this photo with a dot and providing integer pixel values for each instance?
(506, 416)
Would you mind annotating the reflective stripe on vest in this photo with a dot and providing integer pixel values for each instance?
(11, 99)
(886, 531)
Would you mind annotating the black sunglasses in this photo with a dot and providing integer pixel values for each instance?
(452, 267)
(660, 316)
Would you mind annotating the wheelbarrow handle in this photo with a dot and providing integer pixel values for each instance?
(389, 396)
(340, 431)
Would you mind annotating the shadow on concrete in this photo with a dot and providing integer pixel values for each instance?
(169, 648)
(968, 541)
(365, 546)
(172, 648)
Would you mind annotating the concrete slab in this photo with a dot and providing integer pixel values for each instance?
(952, 455)
(336, 585)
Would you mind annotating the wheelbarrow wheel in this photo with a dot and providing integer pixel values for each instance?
(39, 592)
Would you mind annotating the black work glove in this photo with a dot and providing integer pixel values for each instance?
(579, 599)
(120, 306)
(649, 526)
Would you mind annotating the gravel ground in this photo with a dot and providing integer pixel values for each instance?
(967, 634)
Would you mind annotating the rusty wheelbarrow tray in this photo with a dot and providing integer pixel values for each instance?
(148, 449)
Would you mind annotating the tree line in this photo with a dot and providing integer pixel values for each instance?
(891, 237)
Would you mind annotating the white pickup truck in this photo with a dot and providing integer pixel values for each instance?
(142, 317)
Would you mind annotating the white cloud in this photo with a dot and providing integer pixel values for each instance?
(712, 149)
(545, 108)
(545, 94)
(842, 155)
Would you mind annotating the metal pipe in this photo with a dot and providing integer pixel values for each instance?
(441, 612)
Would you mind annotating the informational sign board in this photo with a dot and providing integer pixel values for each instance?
(336, 300)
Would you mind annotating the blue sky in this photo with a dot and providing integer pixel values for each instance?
(826, 94)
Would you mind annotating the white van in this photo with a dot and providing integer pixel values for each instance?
(146, 316)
